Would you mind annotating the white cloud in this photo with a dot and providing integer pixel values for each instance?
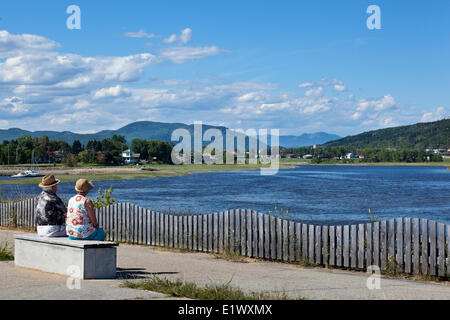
(338, 85)
(39, 85)
(72, 71)
(184, 38)
(117, 91)
(381, 104)
(15, 44)
(23, 66)
(180, 55)
(314, 92)
(141, 34)
(186, 35)
(81, 105)
(438, 114)
(316, 108)
(306, 85)
(13, 107)
(173, 38)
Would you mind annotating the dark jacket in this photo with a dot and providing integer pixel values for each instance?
(49, 210)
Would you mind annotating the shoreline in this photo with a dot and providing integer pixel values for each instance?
(121, 173)
(66, 174)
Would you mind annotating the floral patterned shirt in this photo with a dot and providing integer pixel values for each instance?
(49, 209)
(78, 224)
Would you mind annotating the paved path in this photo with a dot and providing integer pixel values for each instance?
(138, 262)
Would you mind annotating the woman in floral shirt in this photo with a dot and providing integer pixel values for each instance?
(81, 220)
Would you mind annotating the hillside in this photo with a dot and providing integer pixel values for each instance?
(419, 136)
(307, 139)
(154, 131)
(144, 130)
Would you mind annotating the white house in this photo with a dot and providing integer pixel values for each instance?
(351, 156)
(128, 157)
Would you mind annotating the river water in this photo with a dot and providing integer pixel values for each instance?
(313, 194)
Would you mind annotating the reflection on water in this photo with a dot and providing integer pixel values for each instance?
(330, 194)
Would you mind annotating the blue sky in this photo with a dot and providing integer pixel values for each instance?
(301, 66)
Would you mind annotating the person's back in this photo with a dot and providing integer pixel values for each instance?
(50, 210)
(79, 224)
(81, 221)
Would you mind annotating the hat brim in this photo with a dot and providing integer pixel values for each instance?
(50, 185)
(90, 187)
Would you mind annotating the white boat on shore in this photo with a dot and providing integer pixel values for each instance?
(28, 174)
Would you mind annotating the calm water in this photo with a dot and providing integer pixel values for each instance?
(329, 194)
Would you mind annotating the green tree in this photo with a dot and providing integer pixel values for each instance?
(112, 149)
(160, 150)
(76, 147)
(140, 146)
(86, 156)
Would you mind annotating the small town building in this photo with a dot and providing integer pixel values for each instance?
(351, 156)
(128, 157)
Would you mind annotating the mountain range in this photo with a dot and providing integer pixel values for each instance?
(155, 131)
(307, 139)
(418, 136)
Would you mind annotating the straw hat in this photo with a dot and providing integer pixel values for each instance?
(83, 186)
(49, 181)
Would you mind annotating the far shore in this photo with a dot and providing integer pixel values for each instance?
(115, 173)
(66, 174)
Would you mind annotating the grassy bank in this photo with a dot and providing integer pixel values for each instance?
(191, 290)
(160, 171)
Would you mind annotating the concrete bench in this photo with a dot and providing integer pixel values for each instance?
(78, 259)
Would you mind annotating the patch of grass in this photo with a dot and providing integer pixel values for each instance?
(5, 253)
(191, 290)
(233, 256)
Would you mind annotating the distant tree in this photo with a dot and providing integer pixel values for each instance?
(112, 149)
(76, 147)
(86, 156)
(94, 145)
(70, 160)
(120, 139)
(100, 158)
(140, 146)
(160, 150)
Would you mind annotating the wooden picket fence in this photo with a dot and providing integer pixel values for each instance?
(404, 245)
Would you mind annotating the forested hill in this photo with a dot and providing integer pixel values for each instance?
(144, 130)
(419, 136)
(153, 131)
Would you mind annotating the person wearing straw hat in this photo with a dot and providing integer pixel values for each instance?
(50, 211)
(81, 222)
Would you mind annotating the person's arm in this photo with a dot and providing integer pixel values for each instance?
(90, 211)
